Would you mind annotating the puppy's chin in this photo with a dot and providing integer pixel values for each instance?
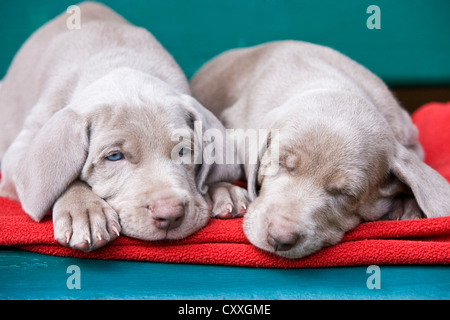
(256, 230)
(299, 251)
(140, 225)
(259, 239)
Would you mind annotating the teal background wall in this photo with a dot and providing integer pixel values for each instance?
(411, 48)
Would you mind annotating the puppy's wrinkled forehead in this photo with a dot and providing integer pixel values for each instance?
(322, 148)
(131, 100)
(148, 127)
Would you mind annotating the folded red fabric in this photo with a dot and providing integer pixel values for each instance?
(222, 242)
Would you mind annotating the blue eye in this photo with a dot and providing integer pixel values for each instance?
(115, 156)
(183, 152)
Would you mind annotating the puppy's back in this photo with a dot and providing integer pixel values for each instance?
(263, 77)
(57, 61)
(25, 78)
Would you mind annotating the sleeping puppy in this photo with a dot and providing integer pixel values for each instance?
(346, 152)
(89, 126)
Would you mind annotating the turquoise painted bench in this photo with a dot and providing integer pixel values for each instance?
(411, 48)
(26, 275)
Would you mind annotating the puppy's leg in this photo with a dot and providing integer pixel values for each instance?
(229, 201)
(82, 220)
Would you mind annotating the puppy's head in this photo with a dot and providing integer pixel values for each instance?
(125, 136)
(336, 169)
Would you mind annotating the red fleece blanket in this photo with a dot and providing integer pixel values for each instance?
(222, 242)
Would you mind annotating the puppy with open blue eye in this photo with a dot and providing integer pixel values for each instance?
(88, 127)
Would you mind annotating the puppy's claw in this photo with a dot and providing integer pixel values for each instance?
(114, 229)
(229, 201)
(68, 235)
(225, 214)
(242, 211)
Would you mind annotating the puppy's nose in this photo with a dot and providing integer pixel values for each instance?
(167, 214)
(282, 241)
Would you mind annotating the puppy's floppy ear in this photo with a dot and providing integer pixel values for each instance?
(213, 139)
(53, 160)
(430, 189)
(266, 163)
(252, 180)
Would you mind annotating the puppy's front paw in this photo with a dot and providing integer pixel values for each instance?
(228, 200)
(82, 220)
(405, 208)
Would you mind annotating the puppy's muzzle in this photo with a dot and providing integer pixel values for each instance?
(281, 239)
(167, 213)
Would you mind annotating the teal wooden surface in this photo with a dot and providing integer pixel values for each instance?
(412, 46)
(26, 275)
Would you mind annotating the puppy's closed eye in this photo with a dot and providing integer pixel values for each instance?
(290, 163)
(344, 187)
(336, 191)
